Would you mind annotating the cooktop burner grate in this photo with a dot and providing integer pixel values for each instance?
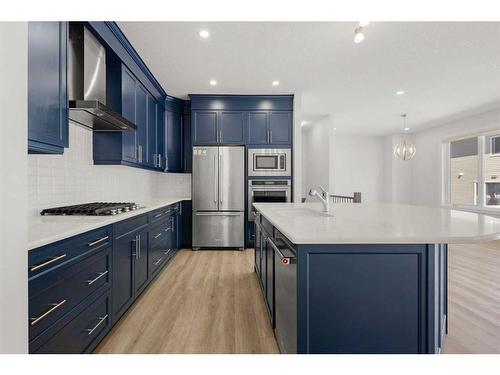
(91, 209)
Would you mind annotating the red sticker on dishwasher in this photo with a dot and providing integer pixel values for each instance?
(284, 260)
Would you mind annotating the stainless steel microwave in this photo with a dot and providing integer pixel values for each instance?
(269, 162)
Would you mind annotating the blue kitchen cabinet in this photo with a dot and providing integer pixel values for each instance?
(126, 95)
(218, 127)
(231, 127)
(187, 148)
(128, 111)
(129, 263)
(270, 128)
(258, 132)
(280, 128)
(47, 87)
(141, 263)
(160, 137)
(152, 149)
(141, 120)
(173, 141)
(204, 128)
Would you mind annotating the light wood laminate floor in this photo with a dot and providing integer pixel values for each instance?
(474, 298)
(202, 302)
(210, 302)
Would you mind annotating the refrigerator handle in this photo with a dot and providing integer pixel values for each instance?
(215, 178)
(221, 179)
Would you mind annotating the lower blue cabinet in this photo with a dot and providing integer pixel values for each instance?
(79, 287)
(81, 334)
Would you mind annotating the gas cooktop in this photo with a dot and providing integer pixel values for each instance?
(92, 209)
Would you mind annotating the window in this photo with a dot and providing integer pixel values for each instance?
(473, 172)
(464, 168)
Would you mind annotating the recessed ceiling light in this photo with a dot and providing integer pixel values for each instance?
(400, 92)
(358, 35)
(406, 129)
(276, 83)
(303, 123)
(334, 128)
(364, 23)
(204, 34)
(213, 82)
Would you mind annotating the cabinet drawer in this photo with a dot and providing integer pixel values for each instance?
(123, 227)
(159, 234)
(158, 257)
(50, 257)
(82, 333)
(163, 213)
(54, 294)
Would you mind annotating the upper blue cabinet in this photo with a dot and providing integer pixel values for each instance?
(174, 118)
(47, 87)
(128, 96)
(242, 119)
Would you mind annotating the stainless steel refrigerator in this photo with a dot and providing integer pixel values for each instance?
(218, 181)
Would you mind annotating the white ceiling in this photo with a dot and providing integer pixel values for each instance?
(445, 68)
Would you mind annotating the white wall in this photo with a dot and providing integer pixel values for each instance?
(72, 178)
(426, 167)
(357, 165)
(316, 155)
(13, 181)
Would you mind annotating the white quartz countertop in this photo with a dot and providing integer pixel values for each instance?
(304, 223)
(43, 230)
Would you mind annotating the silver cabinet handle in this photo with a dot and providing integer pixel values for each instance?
(158, 235)
(273, 245)
(101, 320)
(52, 260)
(220, 179)
(54, 307)
(157, 262)
(158, 215)
(98, 241)
(139, 244)
(159, 160)
(215, 179)
(101, 274)
(168, 228)
(168, 251)
(136, 254)
(270, 136)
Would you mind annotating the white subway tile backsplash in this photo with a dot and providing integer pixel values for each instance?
(72, 178)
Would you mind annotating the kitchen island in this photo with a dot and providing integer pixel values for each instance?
(363, 278)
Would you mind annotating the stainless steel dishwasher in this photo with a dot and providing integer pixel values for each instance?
(285, 279)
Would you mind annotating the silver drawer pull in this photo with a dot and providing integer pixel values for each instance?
(98, 241)
(54, 307)
(101, 320)
(158, 215)
(52, 260)
(101, 274)
(157, 262)
(168, 251)
(158, 235)
(169, 228)
(167, 212)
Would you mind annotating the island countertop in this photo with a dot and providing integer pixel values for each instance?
(371, 223)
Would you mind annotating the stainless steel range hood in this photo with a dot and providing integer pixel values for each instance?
(87, 83)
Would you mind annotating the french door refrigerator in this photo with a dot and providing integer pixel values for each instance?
(218, 196)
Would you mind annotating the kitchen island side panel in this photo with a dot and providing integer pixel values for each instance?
(366, 298)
